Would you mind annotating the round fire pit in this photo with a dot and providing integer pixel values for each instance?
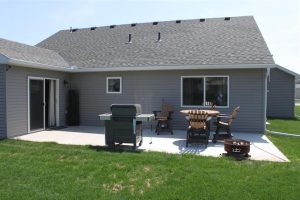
(237, 147)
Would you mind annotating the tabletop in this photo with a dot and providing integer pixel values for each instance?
(209, 112)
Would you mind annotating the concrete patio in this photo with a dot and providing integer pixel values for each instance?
(261, 147)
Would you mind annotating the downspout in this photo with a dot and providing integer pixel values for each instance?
(3, 104)
(267, 79)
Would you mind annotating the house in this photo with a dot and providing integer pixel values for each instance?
(189, 63)
(298, 89)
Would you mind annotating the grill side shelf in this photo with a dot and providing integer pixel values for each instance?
(104, 117)
(139, 118)
(145, 117)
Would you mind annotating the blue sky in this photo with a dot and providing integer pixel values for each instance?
(30, 21)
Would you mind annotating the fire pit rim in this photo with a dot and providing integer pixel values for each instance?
(246, 142)
(243, 149)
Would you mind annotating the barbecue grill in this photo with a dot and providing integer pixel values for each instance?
(124, 124)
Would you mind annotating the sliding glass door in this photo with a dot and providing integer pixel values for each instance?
(36, 91)
(43, 103)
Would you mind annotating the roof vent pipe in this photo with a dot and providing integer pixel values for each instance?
(71, 29)
(129, 38)
(159, 38)
(227, 18)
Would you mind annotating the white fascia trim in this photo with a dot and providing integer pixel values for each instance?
(176, 67)
(22, 63)
(288, 71)
(3, 59)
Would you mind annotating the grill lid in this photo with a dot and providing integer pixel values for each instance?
(126, 109)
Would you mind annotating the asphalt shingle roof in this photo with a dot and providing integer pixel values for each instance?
(27, 53)
(191, 42)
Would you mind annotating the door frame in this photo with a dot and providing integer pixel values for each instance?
(44, 107)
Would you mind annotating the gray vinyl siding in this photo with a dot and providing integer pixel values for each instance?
(152, 87)
(298, 91)
(281, 94)
(17, 97)
(2, 102)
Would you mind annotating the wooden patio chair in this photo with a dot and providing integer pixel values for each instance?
(164, 118)
(223, 124)
(199, 128)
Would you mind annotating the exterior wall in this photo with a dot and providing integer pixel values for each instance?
(2, 102)
(246, 87)
(281, 94)
(297, 91)
(17, 97)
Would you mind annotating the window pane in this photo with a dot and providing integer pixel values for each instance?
(192, 91)
(216, 91)
(114, 85)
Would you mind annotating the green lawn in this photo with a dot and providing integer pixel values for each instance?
(297, 110)
(286, 125)
(51, 171)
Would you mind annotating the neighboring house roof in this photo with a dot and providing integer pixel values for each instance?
(14, 52)
(215, 41)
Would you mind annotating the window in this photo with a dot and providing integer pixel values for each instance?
(114, 85)
(205, 91)
(216, 90)
(193, 91)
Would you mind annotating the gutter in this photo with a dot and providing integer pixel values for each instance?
(22, 63)
(75, 69)
(175, 67)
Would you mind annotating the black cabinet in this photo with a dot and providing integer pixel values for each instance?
(73, 118)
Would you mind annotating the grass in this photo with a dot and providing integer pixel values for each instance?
(286, 125)
(52, 171)
(297, 110)
(289, 146)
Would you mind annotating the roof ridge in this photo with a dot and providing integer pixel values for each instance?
(159, 22)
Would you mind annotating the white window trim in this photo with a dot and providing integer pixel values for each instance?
(204, 93)
(109, 78)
